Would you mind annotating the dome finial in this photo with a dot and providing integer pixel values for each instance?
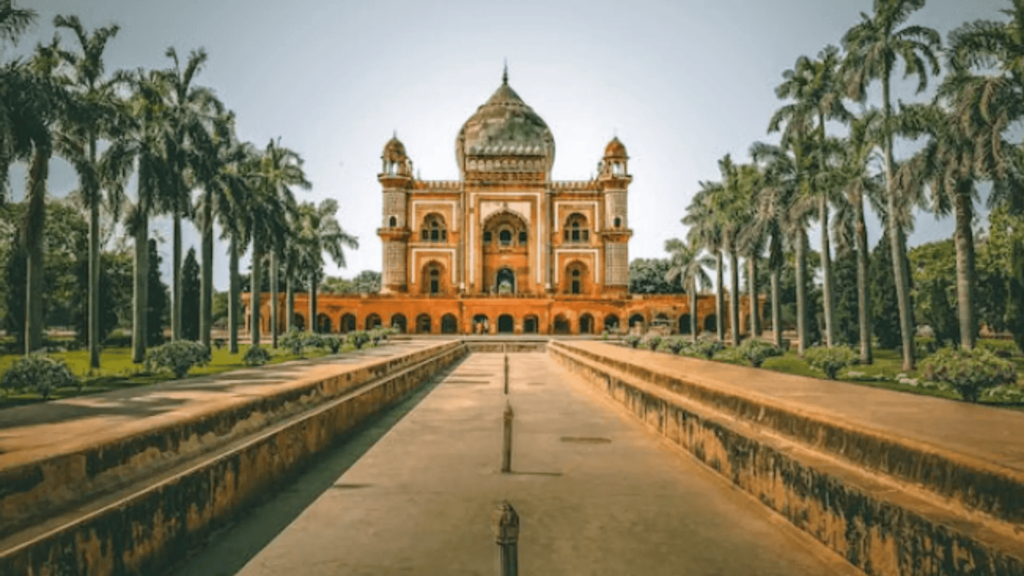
(504, 75)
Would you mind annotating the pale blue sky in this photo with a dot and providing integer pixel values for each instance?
(681, 83)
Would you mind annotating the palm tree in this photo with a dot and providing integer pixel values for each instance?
(13, 76)
(95, 104)
(688, 266)
(278, 171)
(751, 238)
(814, 88)
(321, 234)
(705, 230)
(732, 214)
(193, 110)
(859, 182)
(14, 22)
(873, 48)
(783, 210)
(140, 143)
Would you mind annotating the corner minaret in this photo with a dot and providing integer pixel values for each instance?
(396, 180)
(614, 180)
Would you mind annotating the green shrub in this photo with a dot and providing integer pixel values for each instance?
(970, 372)
(652, 341)
(378, 334)
(1001, 348)
(331, 342)
(179, 357)
(830, 360)
(40, 373)
(358, 338)
(256, 356)
(754, 352)
(703, 348)
(632, 340)
(297, 341)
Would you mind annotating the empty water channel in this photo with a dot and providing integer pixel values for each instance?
(414, 492)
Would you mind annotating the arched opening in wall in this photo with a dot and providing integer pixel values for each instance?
(662, 320)
(433, 278)
(710, 323)
(398, 321)
(611, 323)
(323, 324)
(372, 321)
(575, 281)
(617, 222)
(637, 320)
(423, 324)
(449, 324)
(481, 325)
(684, 324)
(298, 322)
(434, 229)
(392, 222)
(506, 281)
(530, 324)
(562, 325)
(586, 324)
(347, 323)
(506, 325)
(576, 229)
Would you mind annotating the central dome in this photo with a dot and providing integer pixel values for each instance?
(504, 126)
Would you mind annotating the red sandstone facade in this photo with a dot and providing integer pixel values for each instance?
(504, 249)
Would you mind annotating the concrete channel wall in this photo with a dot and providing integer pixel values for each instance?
(889, 506)
(131, 518)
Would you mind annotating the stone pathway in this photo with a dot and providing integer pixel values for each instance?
(596, 493)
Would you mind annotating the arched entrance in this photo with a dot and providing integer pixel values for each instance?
(586, 324)
(398, 321)
(506, 282)
(323, 324)
(481, 325)
(562, 325)
(449, 324)
(637, 320)
(684, 324)
(710, 323)
(347, 323)
(506, 325)
(298, 322)
(423, 324)
(530, 324)
(372, 321)
(611, 323)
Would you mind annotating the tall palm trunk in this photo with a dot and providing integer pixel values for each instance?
(755, 317)
(233, 297)
(801, 293)
(35, 222)
(313, 326)
(206, 288)
(776, 309)
(289, 303)
(734, 297)
(176, 275)
(255, 288)
(826, 254)
(964, 240)
(693, 311)
(826, 274)
(720, 297)
(863, 295)
(94, 264)
(900, 273)
(140, 296)
(274, 319)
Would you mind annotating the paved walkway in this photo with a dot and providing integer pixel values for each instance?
(32, 432)
(990, 433)
(596, 493)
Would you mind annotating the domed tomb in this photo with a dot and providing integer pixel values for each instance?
(505, 126)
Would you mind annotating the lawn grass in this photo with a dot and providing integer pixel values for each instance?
(885, 372)
(117, 371)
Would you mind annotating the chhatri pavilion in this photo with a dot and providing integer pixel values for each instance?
(504, 249)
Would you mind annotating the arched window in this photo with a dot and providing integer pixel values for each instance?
(576, 229)
(435, 281)
(522, 238)
(487, 237)
(434, 229)
(505, 237)
(576, 281)
(617, 222)
(392, 222)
